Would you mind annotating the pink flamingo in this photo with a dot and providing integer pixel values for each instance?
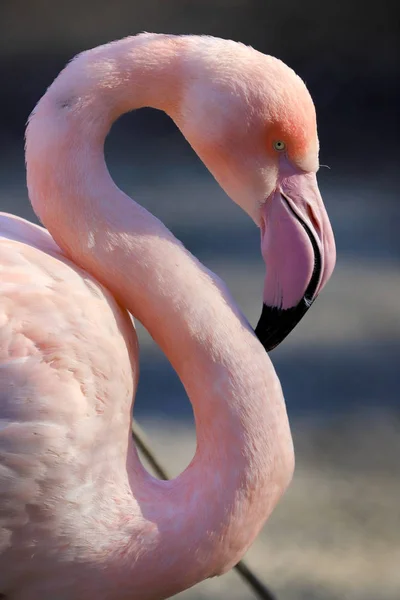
(79, 515)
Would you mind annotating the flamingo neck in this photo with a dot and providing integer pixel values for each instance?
(205, 519)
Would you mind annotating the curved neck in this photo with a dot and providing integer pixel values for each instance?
(243, 459)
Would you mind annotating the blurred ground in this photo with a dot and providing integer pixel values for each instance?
(335, 536)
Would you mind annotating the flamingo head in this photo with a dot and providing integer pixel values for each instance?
(252, 121)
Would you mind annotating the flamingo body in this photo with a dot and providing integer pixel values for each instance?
(79, 515)
(65, 415)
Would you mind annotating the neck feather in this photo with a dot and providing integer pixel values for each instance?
(208, 516)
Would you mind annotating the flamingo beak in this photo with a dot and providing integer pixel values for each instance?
(298, 247)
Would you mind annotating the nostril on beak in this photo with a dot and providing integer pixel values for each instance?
(313, 220)
(262, 226)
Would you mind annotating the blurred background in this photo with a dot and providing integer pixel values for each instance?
(335, 535)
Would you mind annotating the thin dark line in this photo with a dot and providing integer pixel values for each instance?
(258, 586)
(260, 590)
(143, 444)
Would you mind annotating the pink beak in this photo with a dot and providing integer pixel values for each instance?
(298, 247)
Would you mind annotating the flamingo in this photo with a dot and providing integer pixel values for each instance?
(80, 516)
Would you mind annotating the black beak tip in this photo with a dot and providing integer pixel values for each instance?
(275, 324)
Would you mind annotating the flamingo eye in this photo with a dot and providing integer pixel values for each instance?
(279, 146)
